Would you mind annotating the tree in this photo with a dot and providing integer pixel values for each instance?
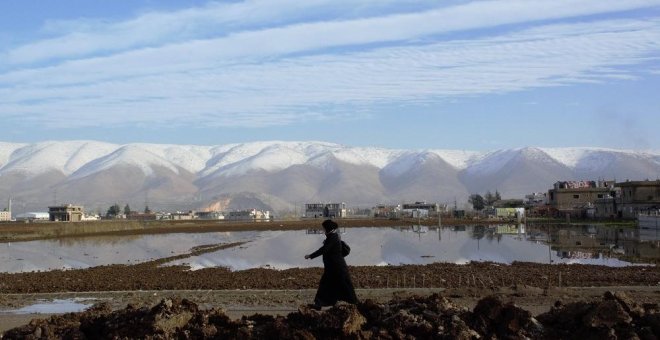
(113, 210)
(497, 196)
(477, 202)
(489, 198)
(147, 210)
(127, 210)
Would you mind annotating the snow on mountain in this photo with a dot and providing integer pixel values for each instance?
(297, 171)
(459, 159)
(572, 157)
(6, 150)
(128, 155)
(86, 157)
(491, 162)
(66, 157)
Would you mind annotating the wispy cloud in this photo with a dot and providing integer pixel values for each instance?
(311, 70)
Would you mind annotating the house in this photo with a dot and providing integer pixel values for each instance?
(33, 216)
(139, 216)
(386, 211)
(177, 216)
(330, 210)
(536, 199)
(66, 213)
(574, 198)
(636, 197)
(420, 209)
(510, 213)
(5, 216)
(249, 215)
(210, 215)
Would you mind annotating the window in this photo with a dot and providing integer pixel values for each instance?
(576, 196)
(600, 195)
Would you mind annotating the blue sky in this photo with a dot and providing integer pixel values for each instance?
(472, 75)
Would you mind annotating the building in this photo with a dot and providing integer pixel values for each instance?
(637, 197)
(65, 213)
(5, 215)
(510, 213)
(420, 209)
(178, 216)
(330, 210)
(141, 216)
(210, 215)
(33, 216)
(249, 215)
(574, 198)
(536, 199)
(386, 211)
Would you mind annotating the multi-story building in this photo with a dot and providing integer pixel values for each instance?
(576, 197)
(5, 216)
(637, 197)
(330, 210)
(66, 213)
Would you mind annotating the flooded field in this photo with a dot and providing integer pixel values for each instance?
(608, 246)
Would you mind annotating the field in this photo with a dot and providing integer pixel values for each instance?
(534, 287)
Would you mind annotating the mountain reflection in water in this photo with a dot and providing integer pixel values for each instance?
(410, 244)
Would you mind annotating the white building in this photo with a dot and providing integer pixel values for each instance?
(5, 216)
(249, 215)
(210, 215)
(420, 209)
(33, 216)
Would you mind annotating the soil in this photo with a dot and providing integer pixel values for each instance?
(475, 300)
(613, 315)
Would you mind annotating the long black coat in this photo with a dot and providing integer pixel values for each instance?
(336, 282)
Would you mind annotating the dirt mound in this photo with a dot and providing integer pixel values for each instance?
(615, 316)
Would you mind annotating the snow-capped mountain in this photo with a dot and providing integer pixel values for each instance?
(279, 175)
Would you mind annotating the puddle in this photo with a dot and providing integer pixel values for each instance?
(56, 306)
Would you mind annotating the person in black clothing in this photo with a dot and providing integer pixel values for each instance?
(336, 282)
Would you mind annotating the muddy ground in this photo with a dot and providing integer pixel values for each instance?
(613, 314)
(536, 288)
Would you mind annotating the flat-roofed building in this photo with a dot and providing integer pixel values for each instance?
(420, 209)
(5, 216)
(330, 210)
(576, 197)
(66, 213)
(637, 197)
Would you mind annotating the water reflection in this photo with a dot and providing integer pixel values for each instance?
(57, 306)
(417, 245)
(85, 252)
(411, 244)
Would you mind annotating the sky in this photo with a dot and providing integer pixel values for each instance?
(465, 75)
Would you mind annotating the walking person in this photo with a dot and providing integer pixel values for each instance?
(335, 284)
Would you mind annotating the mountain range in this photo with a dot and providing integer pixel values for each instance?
(281, 176)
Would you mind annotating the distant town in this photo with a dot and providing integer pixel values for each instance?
(588, 199)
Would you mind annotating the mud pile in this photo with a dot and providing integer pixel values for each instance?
(615, 316)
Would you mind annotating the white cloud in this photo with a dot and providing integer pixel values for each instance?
(88, 37)
(316, 70)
